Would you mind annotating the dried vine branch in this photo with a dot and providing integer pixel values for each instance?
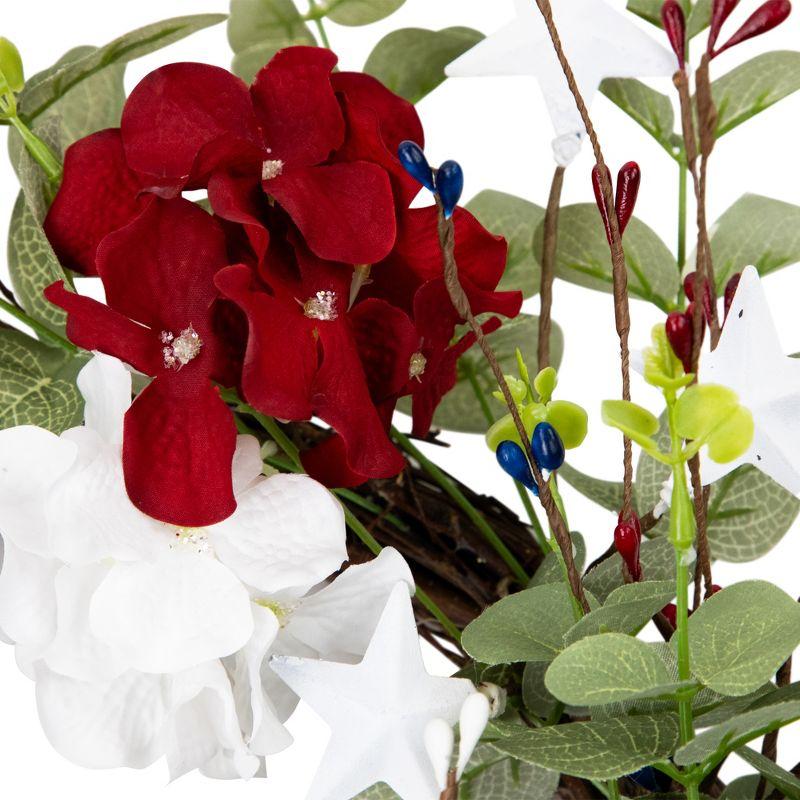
(619, 269)
(549, 248)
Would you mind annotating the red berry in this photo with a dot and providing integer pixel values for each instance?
(679, 334)
(721, 11)
(628, 180)
(714, 589)
(730, 291)
(688, 287)
(764, 19)
(674, 22)
(627, 542)
(670, 611)
(597, 185)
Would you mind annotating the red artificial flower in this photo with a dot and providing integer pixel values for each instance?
(179, 436)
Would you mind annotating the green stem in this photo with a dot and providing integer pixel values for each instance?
(41, 330)
(613, 790)
(39, 150)
(457, 495)
(318, 14)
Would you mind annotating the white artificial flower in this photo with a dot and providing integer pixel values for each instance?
(147, 640)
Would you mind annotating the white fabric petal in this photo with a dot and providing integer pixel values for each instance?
(287, 531)
(203, 726)
(257, 714)
(31, 460)
(105, 384)
(27, 597)
(103, 725)
(76, 652)
(182, 610)
(89, 514)
(247, 463)
(339, 620)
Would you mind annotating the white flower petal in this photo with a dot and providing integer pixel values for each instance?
(472, 722)
(184, 609)
(76, 652)
(27, 597)
(439, 740)
(105, 384)
(247, 463)
(89, 514)
(339, 620)
(31, 460)
(287, 531)
(103, 725)
(204, 725)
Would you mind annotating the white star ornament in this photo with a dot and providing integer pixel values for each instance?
(749, 360)
(377, 710)
(599, 42)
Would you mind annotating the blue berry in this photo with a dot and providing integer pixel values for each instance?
(415, 164)
(651, 779)
(511, 458)
(450, 184)
(548, 449)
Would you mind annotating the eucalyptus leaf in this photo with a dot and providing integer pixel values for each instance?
(754, 86)
(551, 570)
(740, 636)
(649, 108)
(257, 29)
(650, 10)
(699, 17)
(516, 221)
(755, 230)
(411, 61)
(37, 384)
(627, 609)
(459, 409)
(358, 12)
(535, 695)
(526, 626)
(583, 257)
(605, 668)
(597, 750)
(737, 731)
(607, 494)
(491, 775)
(37, 98)
(744, 788)
(777, 776)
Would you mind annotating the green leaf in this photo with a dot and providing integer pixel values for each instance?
(257, 29)
(737, 731)
(359, 12)
(516, 221)
(662, 368)
(33, 266)
(754, 86)
(535, 694)
(460, 410)
(527, 626)
(649, 108)
(699, 18)
(551, 571)
(606, 668)
(741, 635)
(744, 788)
(627, 609)
(755, 230)
(411, 61)
(650, 10)
(607, 494)
(490, 775)
(38, 97)
(777, 776)
(583, 257)
(597, 750)
(637, 423)
(37, 384)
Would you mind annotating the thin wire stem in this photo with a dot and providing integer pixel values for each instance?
(317, 15)
(42, 331)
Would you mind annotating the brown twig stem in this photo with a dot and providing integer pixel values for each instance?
(461, 303)
(619, 269)
(451, 790)
(549, 248)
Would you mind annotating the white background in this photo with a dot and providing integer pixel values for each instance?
(499, 130)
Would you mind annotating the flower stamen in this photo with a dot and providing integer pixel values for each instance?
(178, 352)
(321, 306)
(416, 366)
(271, 168)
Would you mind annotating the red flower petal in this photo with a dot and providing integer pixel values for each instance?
(184, 120)
(344, 211)
(296, 106)
(239, 200)
(94, 326)
(281, 357)
(99, 194)
(177, 453)
(159, 270)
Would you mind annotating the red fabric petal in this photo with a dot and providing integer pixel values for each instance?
(341, 398)
(296, 106)
(184, 120)
(159, 270)
(94, 326)
(344, 211)
(281, 357)
(99, 194)
(240, 200)
(177, 453)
